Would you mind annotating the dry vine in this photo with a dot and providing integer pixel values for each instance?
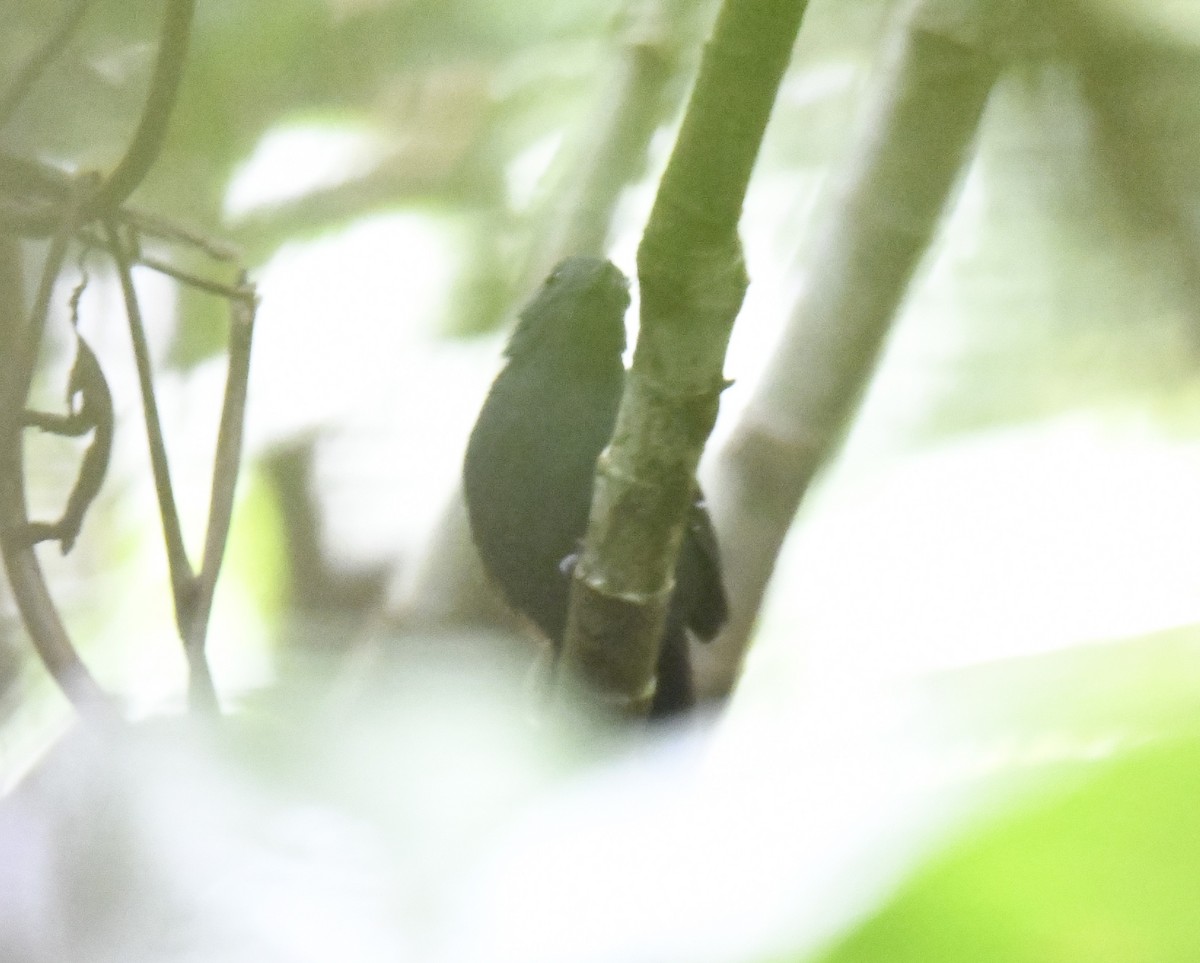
(89, 211)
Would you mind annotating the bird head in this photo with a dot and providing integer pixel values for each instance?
(578, 315)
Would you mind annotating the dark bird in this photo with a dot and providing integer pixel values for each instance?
(532, 456)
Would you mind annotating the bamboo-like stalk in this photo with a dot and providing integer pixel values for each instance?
(692, 282)
(928, 102)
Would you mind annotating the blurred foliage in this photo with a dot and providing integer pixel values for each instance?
(84, 107)
(1105, 874)
(1067, 282)
(454, 90)
(457, 91)
(1065, 277)
(412, 803)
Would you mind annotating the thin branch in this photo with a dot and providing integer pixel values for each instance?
(164, 88)
(32, 195)
(153, 225)
(230, 291)
(235, 292)
(226, 466)
(30, 339)
(140, 223)
(182, 577)
(42, 59)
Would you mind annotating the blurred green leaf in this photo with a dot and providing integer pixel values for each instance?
(1106, 874)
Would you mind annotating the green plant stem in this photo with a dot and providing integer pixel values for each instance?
(692, 283)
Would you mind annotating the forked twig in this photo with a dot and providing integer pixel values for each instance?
(37, 199)
(193, 594)
(163, 229)
(226, 467)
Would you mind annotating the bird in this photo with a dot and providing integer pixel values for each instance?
(531, 460)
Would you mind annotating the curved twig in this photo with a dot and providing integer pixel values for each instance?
(37, 192)
(164, 87)
(46, 629)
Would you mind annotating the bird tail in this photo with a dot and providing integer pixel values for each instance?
(675, 692)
